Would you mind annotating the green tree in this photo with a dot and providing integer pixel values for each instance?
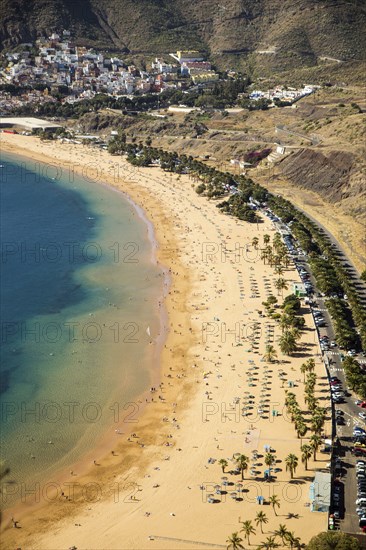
(247, 529)
(261, 519)
(200, 188)
(223, 463)
(333, 540)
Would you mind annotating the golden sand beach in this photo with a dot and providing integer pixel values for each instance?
(153, 489)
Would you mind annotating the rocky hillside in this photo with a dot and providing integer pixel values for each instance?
(273, 34)
(334, 176)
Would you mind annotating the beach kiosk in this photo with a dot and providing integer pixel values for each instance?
(319, 494)
(299, 290)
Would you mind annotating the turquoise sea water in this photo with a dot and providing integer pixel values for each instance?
(79, 297)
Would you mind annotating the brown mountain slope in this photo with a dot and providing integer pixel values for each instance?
(290, 32)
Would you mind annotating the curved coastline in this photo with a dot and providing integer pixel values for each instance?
(103, 444)
(200, 291)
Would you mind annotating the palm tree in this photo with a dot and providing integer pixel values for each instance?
(277, 241)
(306, 454)
(311, 364)
(317, 423)
(269, 544)
(248, 529)
(264, 256)
(304, 370)
(269, 459)
(281, 532)
(235, 542)
(270, 353)
(279, 269)
(266, 238)
(296, 333)
(315, 442)
(281, 285)
(223, 463)
(311, 402)
(274, 501)
(255, 242)
(242, 463)
(287, 343)
(301, 429)
(261, 519)
(293, 541)
(291, 462)
(286, 322)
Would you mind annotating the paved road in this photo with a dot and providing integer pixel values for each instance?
(345, 259)
(332, 360)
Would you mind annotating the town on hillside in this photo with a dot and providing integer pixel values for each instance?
(55, 68)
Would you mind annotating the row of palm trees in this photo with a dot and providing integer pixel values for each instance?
(277, 255)
(355, 376)
(317, 419)
(318, 244)
(287, 537)
(345, 334)
(241, 462)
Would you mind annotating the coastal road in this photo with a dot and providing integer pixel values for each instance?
(332, 359)
(343, 256)
(349, 521)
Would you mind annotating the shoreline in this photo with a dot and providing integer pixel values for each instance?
(201, 292)
(103, 444)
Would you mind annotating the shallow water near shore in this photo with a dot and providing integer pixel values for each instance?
(80, 319)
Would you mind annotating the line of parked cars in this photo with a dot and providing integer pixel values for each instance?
(305, 277)
(326, 344)
(359, 441)
(318, 318)
(336, 389)
(361, 493)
